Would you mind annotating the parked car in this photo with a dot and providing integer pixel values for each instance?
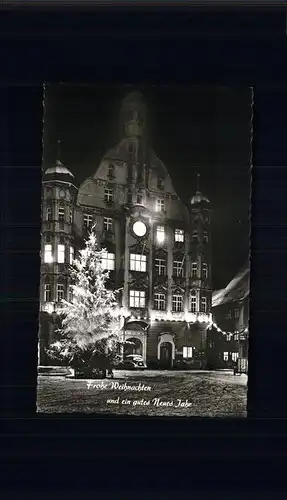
(132, 362)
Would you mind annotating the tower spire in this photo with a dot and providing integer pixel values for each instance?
(198, 183)
(58, 157)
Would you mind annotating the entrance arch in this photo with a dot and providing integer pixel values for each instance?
(166, 350)
(133, 346)
(136, 332)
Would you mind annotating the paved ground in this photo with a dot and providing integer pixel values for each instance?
(154, 393)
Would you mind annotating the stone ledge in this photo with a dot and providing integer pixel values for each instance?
(54, 370)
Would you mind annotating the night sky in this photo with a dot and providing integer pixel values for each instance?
(192, 130)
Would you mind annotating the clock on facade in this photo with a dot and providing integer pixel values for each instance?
(139, 228)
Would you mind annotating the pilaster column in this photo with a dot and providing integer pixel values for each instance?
(126, 265)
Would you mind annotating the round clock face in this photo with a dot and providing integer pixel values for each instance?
(139, 228)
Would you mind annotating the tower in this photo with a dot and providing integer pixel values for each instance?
(133, 133)
(200, 256)
(57, 245)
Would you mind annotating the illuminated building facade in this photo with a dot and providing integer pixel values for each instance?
(230, 312)
(158, 248)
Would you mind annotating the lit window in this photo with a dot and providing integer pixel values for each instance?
(177, 303)
(205, 237)
(234, 356)
(88, 220)
(160, 234)
(108, 261)
(49, 213)
(228, 337)
(225, 356)
(194, 236)
(47, 292)
(71, 216)
(71, 255)
(61, 254)
(137, 262)
(187, 352)
(159, 301)
(160, 266)
(193, 301)
(160, 206)
(109, 195)
(236, 313)
(236, 337)
(194, 270)
(177, 268)
(60, 292)
(61, 214)
(203, 304)
(48, 257)
(139, 199)
(179, 235)
(204, 271)
(108, 224)
(137, 298)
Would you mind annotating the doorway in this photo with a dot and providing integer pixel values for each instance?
(166, 355)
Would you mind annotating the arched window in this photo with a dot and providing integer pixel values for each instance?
(177, 303)
(203, 304)
(204, 271)
(61, 213)
(48, 253)
(71, 293)
(49, 212)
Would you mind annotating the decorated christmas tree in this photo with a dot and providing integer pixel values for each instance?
(90, 334)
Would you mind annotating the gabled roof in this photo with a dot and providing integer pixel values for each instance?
(236, 290)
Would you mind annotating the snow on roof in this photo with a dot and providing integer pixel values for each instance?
(198, 198)
(237, 289)
(59, 168)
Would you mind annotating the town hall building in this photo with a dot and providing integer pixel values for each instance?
(158, 249)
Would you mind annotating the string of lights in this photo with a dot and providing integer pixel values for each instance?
(235, 332)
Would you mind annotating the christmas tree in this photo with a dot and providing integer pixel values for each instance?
(90, 328)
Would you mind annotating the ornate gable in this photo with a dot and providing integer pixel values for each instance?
(138, 281)
(160, 253)
(160, 288)
(139, 248)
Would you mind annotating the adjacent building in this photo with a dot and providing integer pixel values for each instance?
(230, 313)
(158, 249)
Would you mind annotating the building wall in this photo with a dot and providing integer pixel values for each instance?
(136, 178)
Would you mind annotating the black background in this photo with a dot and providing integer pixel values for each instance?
(235, 48)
